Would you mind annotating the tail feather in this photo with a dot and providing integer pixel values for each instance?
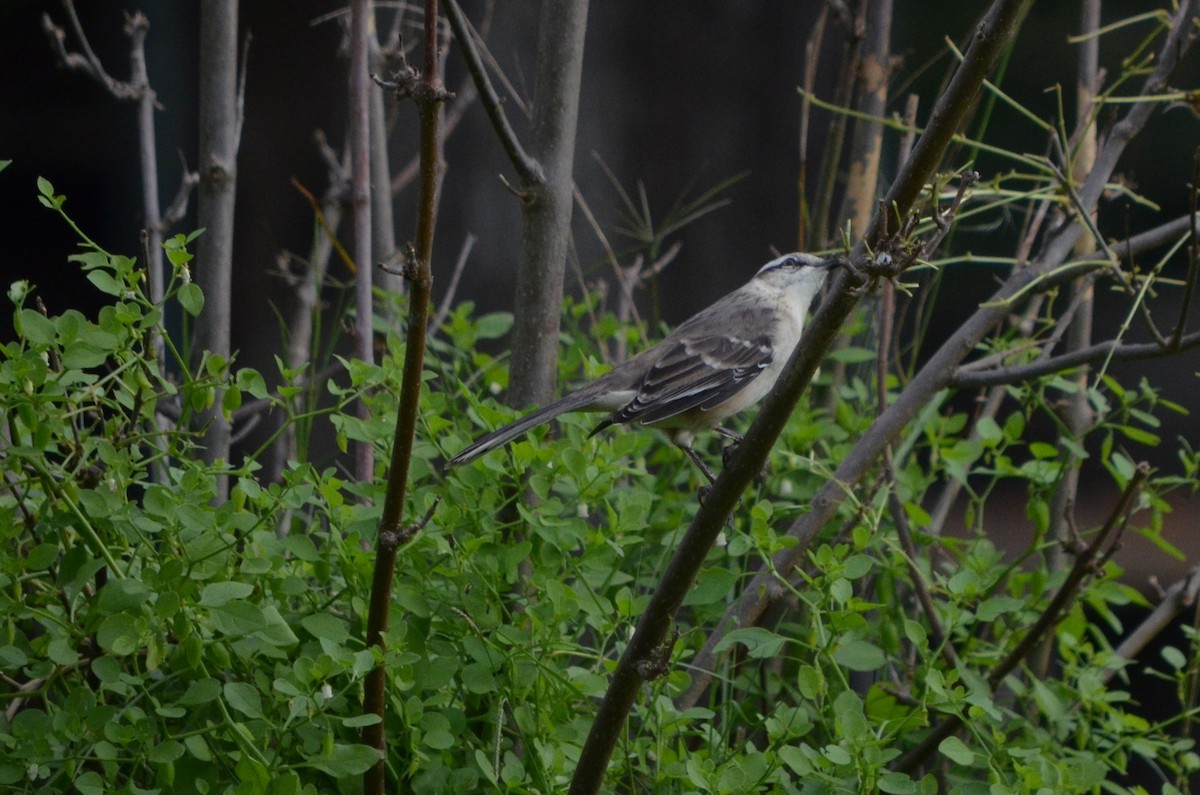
(502, 436)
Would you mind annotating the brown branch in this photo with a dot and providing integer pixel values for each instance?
(429, 97)
(992, 37)
(527, 167)
(1109, 349)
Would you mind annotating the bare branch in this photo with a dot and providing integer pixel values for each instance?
(1110, 349)
(392, 530)
(460, 265)
(528, 168)
(993, 36)
(942, 366)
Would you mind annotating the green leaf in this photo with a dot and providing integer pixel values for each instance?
(346, 760)
(277, 631)
(990, 609)
(359, 721)
(956, 751)
(859, 655)
(896, 784)
(120, 634)
(712, 585)
(217, 594)
(1041, 450)
(852, 355)
(857, 566)
(323, 625)
(191, 298)
(81, 355)
(493, 325)
(166, 751)
(35, 327)
(988, 430)
(90, 783)
(760, 643)
(250, 380)
(120, 595)
(238, 618)
(1139, 436)
(1174, 657)
(244, 698)
(105, 282)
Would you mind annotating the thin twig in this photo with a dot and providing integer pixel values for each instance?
(460, 265)
(527, 167)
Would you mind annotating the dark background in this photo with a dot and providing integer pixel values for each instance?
(678, 95)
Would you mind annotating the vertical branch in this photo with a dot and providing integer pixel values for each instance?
(1076, 410)
(429, 94)
(360, 209)
(219, 127)
(136, 27)
(812, 55)
(867, 142)
(852, 29)
(547, 207)
(383, 227)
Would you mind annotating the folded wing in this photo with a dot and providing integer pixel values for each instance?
(701, 373)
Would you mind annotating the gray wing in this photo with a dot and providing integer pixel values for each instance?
(700, 373)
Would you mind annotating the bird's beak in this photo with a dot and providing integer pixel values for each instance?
(830, 263)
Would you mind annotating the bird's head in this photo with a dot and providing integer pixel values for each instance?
(796, 271)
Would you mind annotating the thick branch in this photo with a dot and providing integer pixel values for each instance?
(994, 34)
(546, 209)
(941, 368)
(219, 123)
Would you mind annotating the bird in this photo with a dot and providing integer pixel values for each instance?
(715, 364)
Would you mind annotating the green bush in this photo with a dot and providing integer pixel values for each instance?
(156, 642)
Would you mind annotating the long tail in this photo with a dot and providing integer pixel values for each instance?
(502, 436)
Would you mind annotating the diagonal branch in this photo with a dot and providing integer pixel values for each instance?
(939, 371)
(527, 167)
(992, 37)
(1087, 562)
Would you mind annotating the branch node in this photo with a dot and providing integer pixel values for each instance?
(656, 664)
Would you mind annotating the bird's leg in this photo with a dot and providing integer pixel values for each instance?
(703, 467)
(728, 433)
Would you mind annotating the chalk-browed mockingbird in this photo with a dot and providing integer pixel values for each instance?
(718, 362)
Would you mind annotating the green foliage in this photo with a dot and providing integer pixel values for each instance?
(156, 642)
